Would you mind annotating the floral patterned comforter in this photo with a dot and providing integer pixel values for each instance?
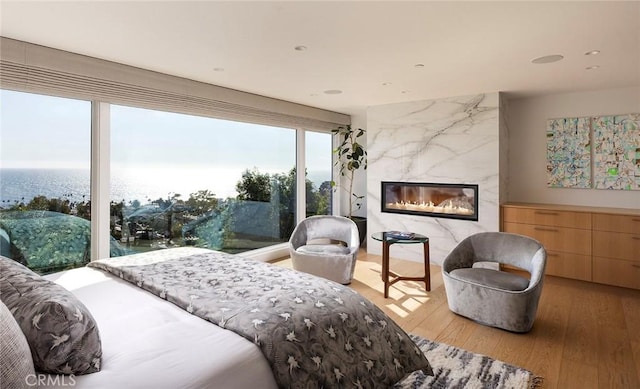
(314, 332)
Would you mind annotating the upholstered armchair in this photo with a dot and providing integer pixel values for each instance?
(489, 296)
(326, 246)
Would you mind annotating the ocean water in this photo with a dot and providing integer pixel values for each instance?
(25, 184)
(139, 184)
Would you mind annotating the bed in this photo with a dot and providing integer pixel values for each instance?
(245, 324)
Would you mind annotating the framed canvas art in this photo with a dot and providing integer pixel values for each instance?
(616, 140)
(569, 153)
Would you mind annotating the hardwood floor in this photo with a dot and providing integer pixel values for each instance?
(586, 335)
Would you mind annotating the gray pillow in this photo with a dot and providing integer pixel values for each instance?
(16, 365)
(62, 334)
(493, 278)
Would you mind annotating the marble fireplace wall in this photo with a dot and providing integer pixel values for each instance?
(451, 140)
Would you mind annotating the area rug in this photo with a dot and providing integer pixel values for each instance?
(457, 368)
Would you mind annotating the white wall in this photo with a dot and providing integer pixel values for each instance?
(452, 140)
(527, 146)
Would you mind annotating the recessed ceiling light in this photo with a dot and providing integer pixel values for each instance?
(218, 69)
(592, 52)
(404, 91)
(592, 67)
(332, 92)
(386, 83)
(548, 58)
(300, 48)
(419, 65)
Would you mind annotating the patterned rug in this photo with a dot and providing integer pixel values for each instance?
(457, 368)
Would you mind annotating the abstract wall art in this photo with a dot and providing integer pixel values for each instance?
(613, 162)
(569, 153)
(616, 154)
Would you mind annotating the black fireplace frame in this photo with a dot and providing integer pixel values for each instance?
(474, 187)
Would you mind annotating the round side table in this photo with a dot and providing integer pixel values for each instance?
(387, 241)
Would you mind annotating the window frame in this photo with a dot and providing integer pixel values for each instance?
(100, 187)
(100, 184)
(31, 68)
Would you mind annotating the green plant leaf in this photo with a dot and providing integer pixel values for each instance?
(351, 156)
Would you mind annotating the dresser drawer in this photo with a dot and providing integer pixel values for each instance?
(616, 272)
(616, 223)
(544, 217)
(616, 245)
(568, 265)
(567, 240)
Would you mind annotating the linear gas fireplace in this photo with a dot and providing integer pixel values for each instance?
(454, 201)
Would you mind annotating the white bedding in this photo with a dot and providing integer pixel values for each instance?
(150, 343)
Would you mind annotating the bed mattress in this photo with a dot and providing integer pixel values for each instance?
(149, 343)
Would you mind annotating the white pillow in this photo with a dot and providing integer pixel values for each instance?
(16, 365)
(326, 249)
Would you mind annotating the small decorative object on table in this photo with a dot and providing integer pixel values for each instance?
(402, 235)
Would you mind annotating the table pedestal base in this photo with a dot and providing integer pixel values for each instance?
(386, 273)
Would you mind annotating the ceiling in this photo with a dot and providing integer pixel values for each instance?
(373, 52)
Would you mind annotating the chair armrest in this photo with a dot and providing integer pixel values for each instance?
(461, 257)
(298, 237)
(538, 265)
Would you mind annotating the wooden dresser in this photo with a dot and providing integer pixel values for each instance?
(585, 243)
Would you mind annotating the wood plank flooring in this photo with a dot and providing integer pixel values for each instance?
(586, 335)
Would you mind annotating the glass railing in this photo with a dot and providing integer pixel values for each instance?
(260, 216)
(47, 241)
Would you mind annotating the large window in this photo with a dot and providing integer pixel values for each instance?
(186, 180)
(175, 180)
(318, 162)
(45, 157)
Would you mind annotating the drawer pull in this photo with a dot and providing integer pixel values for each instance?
(635, 219)
(636, 266)
(635, 237)
(546, 213)
(552, 254)
(546, 229)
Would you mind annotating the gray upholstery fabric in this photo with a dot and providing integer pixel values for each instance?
(486, 301)
(16, 365)
(62, 334)
(336, 263)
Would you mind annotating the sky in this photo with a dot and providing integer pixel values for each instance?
(37, 131)
(41, 131)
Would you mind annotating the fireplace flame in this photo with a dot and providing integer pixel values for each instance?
(444, 207)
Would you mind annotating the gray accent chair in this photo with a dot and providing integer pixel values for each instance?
(325, 246)
(493, 297)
